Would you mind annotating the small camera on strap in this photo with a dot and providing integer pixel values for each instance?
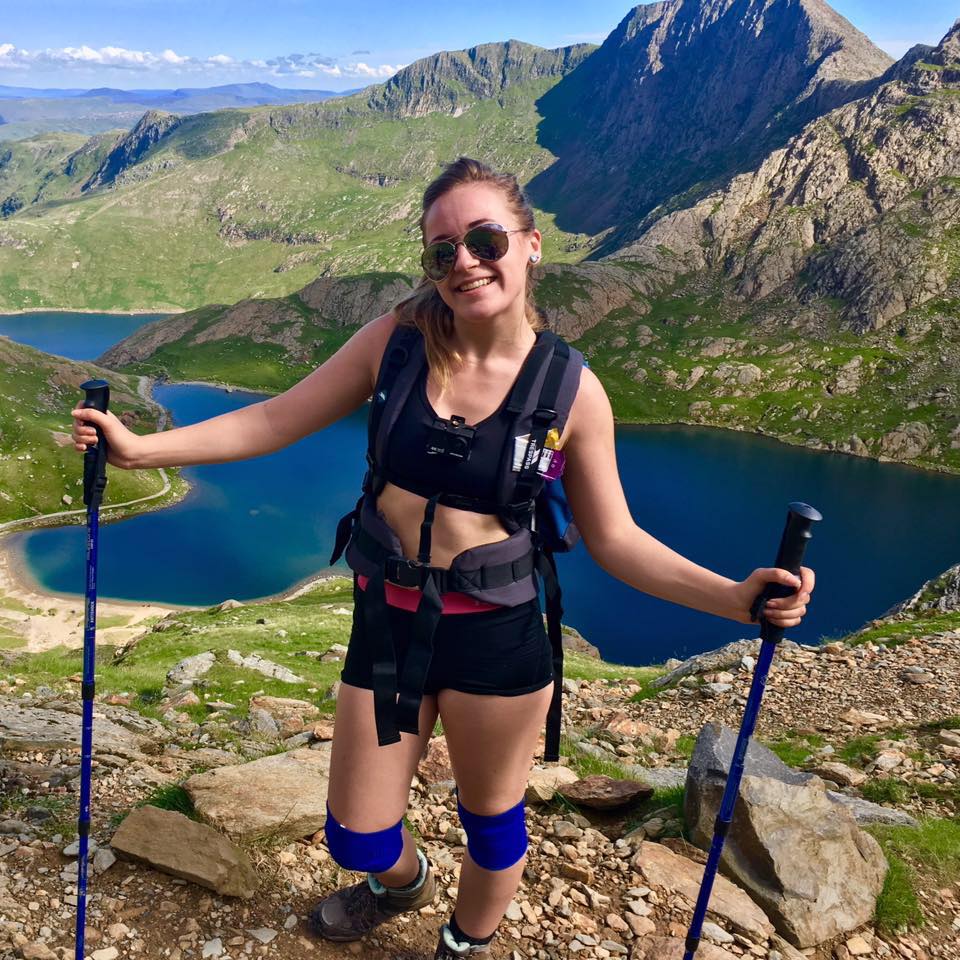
(451, 438)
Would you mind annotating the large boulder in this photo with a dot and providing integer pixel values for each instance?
(174, 844)
(801, 856)
(284, 794)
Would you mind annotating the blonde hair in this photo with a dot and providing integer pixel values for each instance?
(424, 308)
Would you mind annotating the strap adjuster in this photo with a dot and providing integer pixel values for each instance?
(404, 572)
(543, 416)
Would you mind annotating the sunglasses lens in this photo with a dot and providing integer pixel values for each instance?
(487, 244)
(484, 243)
(437, 260)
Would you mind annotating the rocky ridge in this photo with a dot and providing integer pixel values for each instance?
(448, 82)
(687, 90)
(863, 205)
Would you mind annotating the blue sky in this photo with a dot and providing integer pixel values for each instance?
(327, 44)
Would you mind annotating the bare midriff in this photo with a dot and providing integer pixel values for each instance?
(453, 530)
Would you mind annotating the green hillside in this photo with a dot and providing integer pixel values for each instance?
(40, 472)
(259, 202)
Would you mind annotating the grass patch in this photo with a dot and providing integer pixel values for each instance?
(931, 849)
(171, 797)
(862, 749)
(886, 790)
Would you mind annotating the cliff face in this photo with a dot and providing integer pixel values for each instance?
(687, 90)
(863, 205)
(131, 147)
(447, 82)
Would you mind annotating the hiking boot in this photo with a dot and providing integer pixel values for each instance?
(450, 949)
(353, 912)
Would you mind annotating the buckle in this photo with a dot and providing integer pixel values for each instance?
(544, 415)
(403, 572)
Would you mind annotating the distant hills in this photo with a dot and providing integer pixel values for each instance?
(25, 112)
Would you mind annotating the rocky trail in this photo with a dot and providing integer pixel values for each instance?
(610, 870)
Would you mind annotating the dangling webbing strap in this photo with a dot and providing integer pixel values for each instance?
(397, 705)
(547, 568)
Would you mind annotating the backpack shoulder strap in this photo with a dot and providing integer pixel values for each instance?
(403, 359)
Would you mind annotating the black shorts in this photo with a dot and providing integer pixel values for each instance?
(504, 651)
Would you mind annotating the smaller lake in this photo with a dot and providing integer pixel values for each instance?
(76, 336)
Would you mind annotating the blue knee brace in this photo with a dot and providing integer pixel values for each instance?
(495, 842)
(370, 852)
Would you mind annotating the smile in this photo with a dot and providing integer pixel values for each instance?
(474, 284)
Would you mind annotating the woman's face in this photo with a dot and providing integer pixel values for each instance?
(502, 290)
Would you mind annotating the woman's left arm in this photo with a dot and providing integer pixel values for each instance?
(592, 484)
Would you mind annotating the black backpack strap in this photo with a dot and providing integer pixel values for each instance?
(394, 382)
(547, 568)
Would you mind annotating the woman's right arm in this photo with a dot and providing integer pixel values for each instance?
(336, 388)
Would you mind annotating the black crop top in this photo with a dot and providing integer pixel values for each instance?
(409, 465)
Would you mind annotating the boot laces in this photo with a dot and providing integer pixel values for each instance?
(362, 903)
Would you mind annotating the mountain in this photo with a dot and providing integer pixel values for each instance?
(684, 91)
(448, 82)
(862, 206)
(92, 111)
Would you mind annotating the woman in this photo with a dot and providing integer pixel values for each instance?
(448, 634)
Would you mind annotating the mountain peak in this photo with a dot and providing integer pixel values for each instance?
(449, 81)
(684, 90)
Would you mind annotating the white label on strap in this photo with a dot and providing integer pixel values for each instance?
(524, 453)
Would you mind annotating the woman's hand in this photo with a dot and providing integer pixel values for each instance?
(783, 611)
(121, 443)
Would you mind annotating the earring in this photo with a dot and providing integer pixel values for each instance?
(534, 257)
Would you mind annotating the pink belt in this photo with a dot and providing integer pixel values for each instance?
(410, 599)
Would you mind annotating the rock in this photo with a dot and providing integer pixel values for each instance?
(840, 774)
(802, 857)
(941, 595)
(176, 845)
(191, 668)
(542, 782)
(290, 715)
(949, 737)
(24, 727)
(863, 718)
(715, 660)
(434, 765)
(229, 605)
(282, 794)
(604, 793)
(906, 441)
(674, 875)
(660, 778)
(37, 951)
(865, 812)
(574, 642)
(267, 667)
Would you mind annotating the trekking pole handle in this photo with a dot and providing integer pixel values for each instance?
(797, 533)
(95, 458)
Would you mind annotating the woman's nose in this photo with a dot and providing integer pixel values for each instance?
(464, 257)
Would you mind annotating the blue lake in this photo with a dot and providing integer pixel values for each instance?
(79, 336)
(254, 528)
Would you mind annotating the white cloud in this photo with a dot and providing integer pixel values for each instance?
(381, 72)
(307, 65)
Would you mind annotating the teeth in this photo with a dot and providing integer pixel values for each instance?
(476, 283)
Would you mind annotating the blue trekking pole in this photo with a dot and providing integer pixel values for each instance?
(94, 482)
(793, 543)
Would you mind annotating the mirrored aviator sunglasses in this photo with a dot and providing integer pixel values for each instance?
(487, 242)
